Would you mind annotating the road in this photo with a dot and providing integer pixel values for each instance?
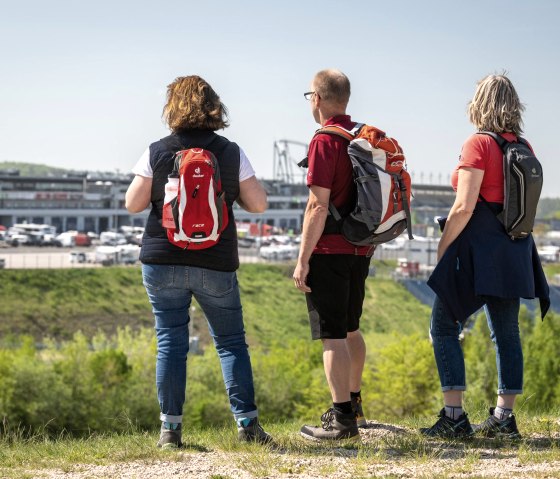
(32, 257)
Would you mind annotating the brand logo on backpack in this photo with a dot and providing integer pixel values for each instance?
(383, 188)
(197, 215)
(197, 173)
(522, 186)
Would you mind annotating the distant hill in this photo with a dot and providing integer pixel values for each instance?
(31, 169)
(548, 208)
(35, 169)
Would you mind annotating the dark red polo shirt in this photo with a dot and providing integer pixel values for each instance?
(330, 167)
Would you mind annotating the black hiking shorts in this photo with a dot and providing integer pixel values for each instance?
(337, 283)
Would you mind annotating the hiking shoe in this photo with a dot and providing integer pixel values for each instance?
(334, 426)
(170, 437)
(249, 430)
(357, 408)
(448, 428)
(493, 427)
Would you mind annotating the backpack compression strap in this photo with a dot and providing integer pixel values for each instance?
(406, 208)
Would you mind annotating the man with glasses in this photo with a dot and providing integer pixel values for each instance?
(330, 271)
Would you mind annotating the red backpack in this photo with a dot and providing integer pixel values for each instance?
(194, 210)
(383, 187)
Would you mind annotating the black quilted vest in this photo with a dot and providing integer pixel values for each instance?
(156, 249)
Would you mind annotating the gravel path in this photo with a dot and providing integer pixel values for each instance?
(450, 461)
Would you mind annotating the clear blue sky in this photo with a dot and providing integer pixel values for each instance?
(83, 83)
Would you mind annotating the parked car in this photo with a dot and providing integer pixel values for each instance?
(16, 239)
(113, 255)
(112, 238)
(279, 252)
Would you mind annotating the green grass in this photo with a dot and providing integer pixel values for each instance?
(59, 302)
(21, 457)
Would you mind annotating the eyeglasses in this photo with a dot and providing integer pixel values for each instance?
(309, 95)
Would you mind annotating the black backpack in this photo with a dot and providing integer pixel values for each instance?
(523, 179)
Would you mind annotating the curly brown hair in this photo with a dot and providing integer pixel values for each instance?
(496, 106)
(192, 104)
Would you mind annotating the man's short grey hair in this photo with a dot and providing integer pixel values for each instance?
(333, 85)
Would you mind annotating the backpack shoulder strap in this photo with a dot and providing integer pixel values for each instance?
(336, 131)
(347, 135)
(502, 142)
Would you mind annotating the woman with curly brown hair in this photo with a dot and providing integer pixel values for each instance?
(173, 276)
(479, 265)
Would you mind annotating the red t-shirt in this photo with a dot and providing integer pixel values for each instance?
(330, 167)
(483, 153)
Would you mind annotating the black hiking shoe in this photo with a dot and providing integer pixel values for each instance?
(252, 431)
(493, 427)
(448, 428)
(334, 426)
(170, 438)
(357, 408)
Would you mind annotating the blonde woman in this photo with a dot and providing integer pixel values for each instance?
(479, 265)
(173, 276)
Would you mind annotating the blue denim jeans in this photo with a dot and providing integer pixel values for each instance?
(170, 290)
(502, 316)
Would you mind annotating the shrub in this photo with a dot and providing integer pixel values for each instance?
(402, 379)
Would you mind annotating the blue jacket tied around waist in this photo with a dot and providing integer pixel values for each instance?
(484, 261)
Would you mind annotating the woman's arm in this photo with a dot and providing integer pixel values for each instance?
(252, 196)
(468, 188)
(139, 194)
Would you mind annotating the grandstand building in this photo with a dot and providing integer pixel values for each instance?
(95, 202)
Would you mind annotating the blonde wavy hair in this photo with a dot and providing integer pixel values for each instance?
(192, 104)
(495, 106)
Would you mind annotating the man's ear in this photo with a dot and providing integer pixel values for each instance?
(317, 99)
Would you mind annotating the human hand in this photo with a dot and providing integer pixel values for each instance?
(300, 277)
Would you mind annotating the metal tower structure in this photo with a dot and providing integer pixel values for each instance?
(285, 165)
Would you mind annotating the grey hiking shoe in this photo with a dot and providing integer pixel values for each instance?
(493, 427)
(249, 430)
(357, 408)
(334, 426)
(448, 428)
(170, 438)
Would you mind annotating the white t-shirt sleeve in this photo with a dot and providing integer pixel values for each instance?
(143, 167)
(245, 167)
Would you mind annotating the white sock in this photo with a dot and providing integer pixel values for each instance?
(453, 412)
(502, 413)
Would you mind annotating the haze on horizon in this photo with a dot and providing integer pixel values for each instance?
(83, 85)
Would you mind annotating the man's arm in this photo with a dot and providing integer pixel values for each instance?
(313, 225)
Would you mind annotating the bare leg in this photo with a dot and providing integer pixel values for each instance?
(506, 401)
(453, 398)
(357, 352)
(336, 362)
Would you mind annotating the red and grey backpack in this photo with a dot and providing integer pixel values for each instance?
(383, 187)
(196, 213)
